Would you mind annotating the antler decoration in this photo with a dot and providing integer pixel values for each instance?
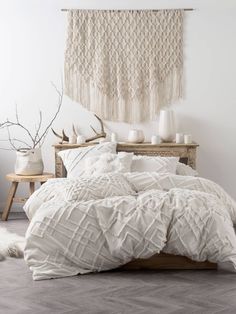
(98, 135)
(65, 138)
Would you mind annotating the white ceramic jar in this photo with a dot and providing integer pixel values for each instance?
(155, 140)
(136, 136)
(179, 138)
(188, 139)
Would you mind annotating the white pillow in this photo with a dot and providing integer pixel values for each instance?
(185, 170)
(73, 159)
(97, 187)
(107, 163)
(154, 163)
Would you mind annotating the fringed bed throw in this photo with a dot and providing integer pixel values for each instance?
(124, 65)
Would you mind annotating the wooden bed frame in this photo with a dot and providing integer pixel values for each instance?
(187, 154)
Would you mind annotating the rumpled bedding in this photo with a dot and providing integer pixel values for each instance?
(92, 224)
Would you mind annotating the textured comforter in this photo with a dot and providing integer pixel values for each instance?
(99, 223)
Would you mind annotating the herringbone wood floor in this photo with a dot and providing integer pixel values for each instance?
(179, 292)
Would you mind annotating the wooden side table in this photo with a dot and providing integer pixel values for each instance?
(15, 180)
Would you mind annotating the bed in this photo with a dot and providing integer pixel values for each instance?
(187, 154)
(125, 206)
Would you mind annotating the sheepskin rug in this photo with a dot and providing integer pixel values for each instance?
(11, 244)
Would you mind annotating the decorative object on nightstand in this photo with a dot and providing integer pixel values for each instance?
(28, 151)
(81, 139)
(167, 125)
(15, 180)
(188, 139)
(136, 136)
(179, 138)
(98, 135)
(155, 140)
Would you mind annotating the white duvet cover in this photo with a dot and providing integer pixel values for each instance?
(99, 223)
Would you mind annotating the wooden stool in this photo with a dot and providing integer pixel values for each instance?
(16, 179)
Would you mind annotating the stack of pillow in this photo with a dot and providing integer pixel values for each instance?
(102, 158)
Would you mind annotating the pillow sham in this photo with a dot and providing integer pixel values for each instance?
(97, 187)
(154, 164)
(73, 159)
(185, 170)
(106, 163)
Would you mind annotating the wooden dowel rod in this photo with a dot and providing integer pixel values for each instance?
(186, 9)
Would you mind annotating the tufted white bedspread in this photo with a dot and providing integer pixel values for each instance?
(99, 223)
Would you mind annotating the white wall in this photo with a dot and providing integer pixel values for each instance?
(32, 34)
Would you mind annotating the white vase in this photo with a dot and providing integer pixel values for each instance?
(135, 136)
(167, 125)
(29, 162)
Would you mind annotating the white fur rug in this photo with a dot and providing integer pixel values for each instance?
(11, 244)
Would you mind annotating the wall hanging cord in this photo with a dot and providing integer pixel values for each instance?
(156, 10)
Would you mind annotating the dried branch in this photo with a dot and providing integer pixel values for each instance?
(60, 99)
(39, 126)
(8, 124)
(36, 139)
(17, 140)
(10, 140)
(17, 116)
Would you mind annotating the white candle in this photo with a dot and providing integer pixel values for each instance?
(81, 139)
(179, 138)
(72, 139)
(113, 137)
(187, 139)
(155, 140)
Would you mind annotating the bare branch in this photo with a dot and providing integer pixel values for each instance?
(7, 124)
(17, 140)
(10, 149)
(36, 138)
(17, 116)
(10, 140)
(39, 126)
(60, 99)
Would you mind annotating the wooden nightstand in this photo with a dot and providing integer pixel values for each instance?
(15, 180)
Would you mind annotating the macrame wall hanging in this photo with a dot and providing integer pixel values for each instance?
(124, 65)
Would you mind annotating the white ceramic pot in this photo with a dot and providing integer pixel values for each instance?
(188, 139)
(135, 136)
(81, 139)
(29, 162)
(167, 125)
(155, 140)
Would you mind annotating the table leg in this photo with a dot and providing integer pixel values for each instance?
(32, 187)
(10, 197)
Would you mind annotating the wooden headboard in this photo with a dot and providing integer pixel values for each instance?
(187, 153)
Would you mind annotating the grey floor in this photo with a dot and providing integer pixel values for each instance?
(113, 292)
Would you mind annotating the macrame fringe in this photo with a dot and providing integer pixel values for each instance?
(132, 110)
(125, 65)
